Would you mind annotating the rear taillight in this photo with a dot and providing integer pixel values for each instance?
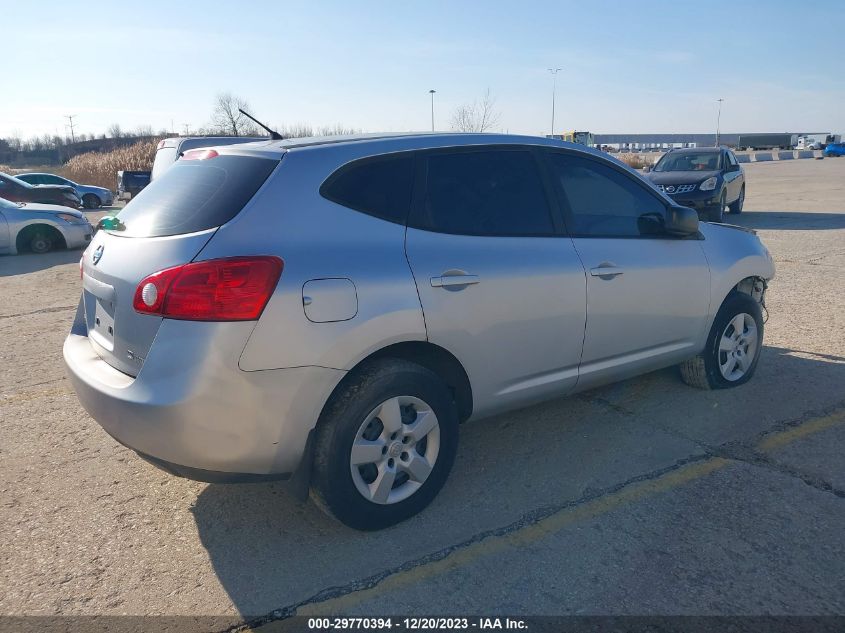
(230, 289)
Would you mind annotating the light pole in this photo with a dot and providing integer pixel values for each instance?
(718, 120)
(431, 92)
(554, 72)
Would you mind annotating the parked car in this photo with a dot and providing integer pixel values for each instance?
(92, 197)
(336, 308)
(16, 190)
(170, 149)
(708, 179)
(834, 149)
(130, 183)
(38, 228)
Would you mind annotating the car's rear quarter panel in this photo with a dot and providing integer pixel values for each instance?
(319, 239)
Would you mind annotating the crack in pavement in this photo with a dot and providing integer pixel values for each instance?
(737, 451)
(530, 518)
(728, 452)
(41, 311)
(745, 451)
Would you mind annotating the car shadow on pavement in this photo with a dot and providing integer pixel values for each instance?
(788, 220)
(270, 551)
(24, 263)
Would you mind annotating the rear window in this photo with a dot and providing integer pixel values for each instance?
(194, 195)
(376, 186)
(487, 192)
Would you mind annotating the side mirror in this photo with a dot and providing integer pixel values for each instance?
(648, 168)
(681, 221)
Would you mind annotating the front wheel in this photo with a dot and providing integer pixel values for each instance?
(736, 205)
(385, 445)
(733, 346)
(717, 213)
(41, 243)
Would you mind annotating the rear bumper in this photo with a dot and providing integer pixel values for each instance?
(193, 412)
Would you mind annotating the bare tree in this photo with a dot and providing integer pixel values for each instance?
(115, 131)
(144, 130)
(226, 119)
(477, 116)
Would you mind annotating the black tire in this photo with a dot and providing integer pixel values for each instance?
(332, 484)
(90, 201)
(736, 205)
(703, 371)
(41, 242)
(717, 213)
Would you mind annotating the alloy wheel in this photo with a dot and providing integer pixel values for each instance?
(395, 450)
(738, 347)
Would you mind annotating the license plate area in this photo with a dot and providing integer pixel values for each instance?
(103, 330)
(99, 312)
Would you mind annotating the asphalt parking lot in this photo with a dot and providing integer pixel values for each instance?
(644, 497)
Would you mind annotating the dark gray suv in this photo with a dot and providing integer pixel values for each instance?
(708, 179)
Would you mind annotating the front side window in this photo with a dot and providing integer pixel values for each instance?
(378, 186)
(731, 158)
(603, 202)
(484, 192)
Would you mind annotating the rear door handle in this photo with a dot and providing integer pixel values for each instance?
(606, 272)
(447, 281)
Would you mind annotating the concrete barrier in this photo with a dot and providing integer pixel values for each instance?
(743, 158)
(806, 153)
(786, 155)
(760, 157)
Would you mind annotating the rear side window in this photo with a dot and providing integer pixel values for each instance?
(165, 157)
(489, 192)
(376, 186)
(194, 195)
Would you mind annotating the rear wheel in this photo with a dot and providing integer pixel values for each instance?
(733, 346)
(736, 206)
(90, 201)
(717, 213)
(385, 445)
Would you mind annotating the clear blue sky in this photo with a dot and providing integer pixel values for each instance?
(628, 66)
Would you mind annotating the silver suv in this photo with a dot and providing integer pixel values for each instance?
(334, 308)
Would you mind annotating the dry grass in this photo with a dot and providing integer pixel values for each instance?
(100, 168)
(637, 161)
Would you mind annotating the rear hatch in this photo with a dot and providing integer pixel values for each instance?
(166, 225)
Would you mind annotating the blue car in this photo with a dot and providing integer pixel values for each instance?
(834, 149)
(92, 197)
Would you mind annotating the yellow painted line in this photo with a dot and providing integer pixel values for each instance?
(523, 536)
(779, 440)
(557, 521)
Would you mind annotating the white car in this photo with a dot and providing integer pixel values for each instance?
(38, 228)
